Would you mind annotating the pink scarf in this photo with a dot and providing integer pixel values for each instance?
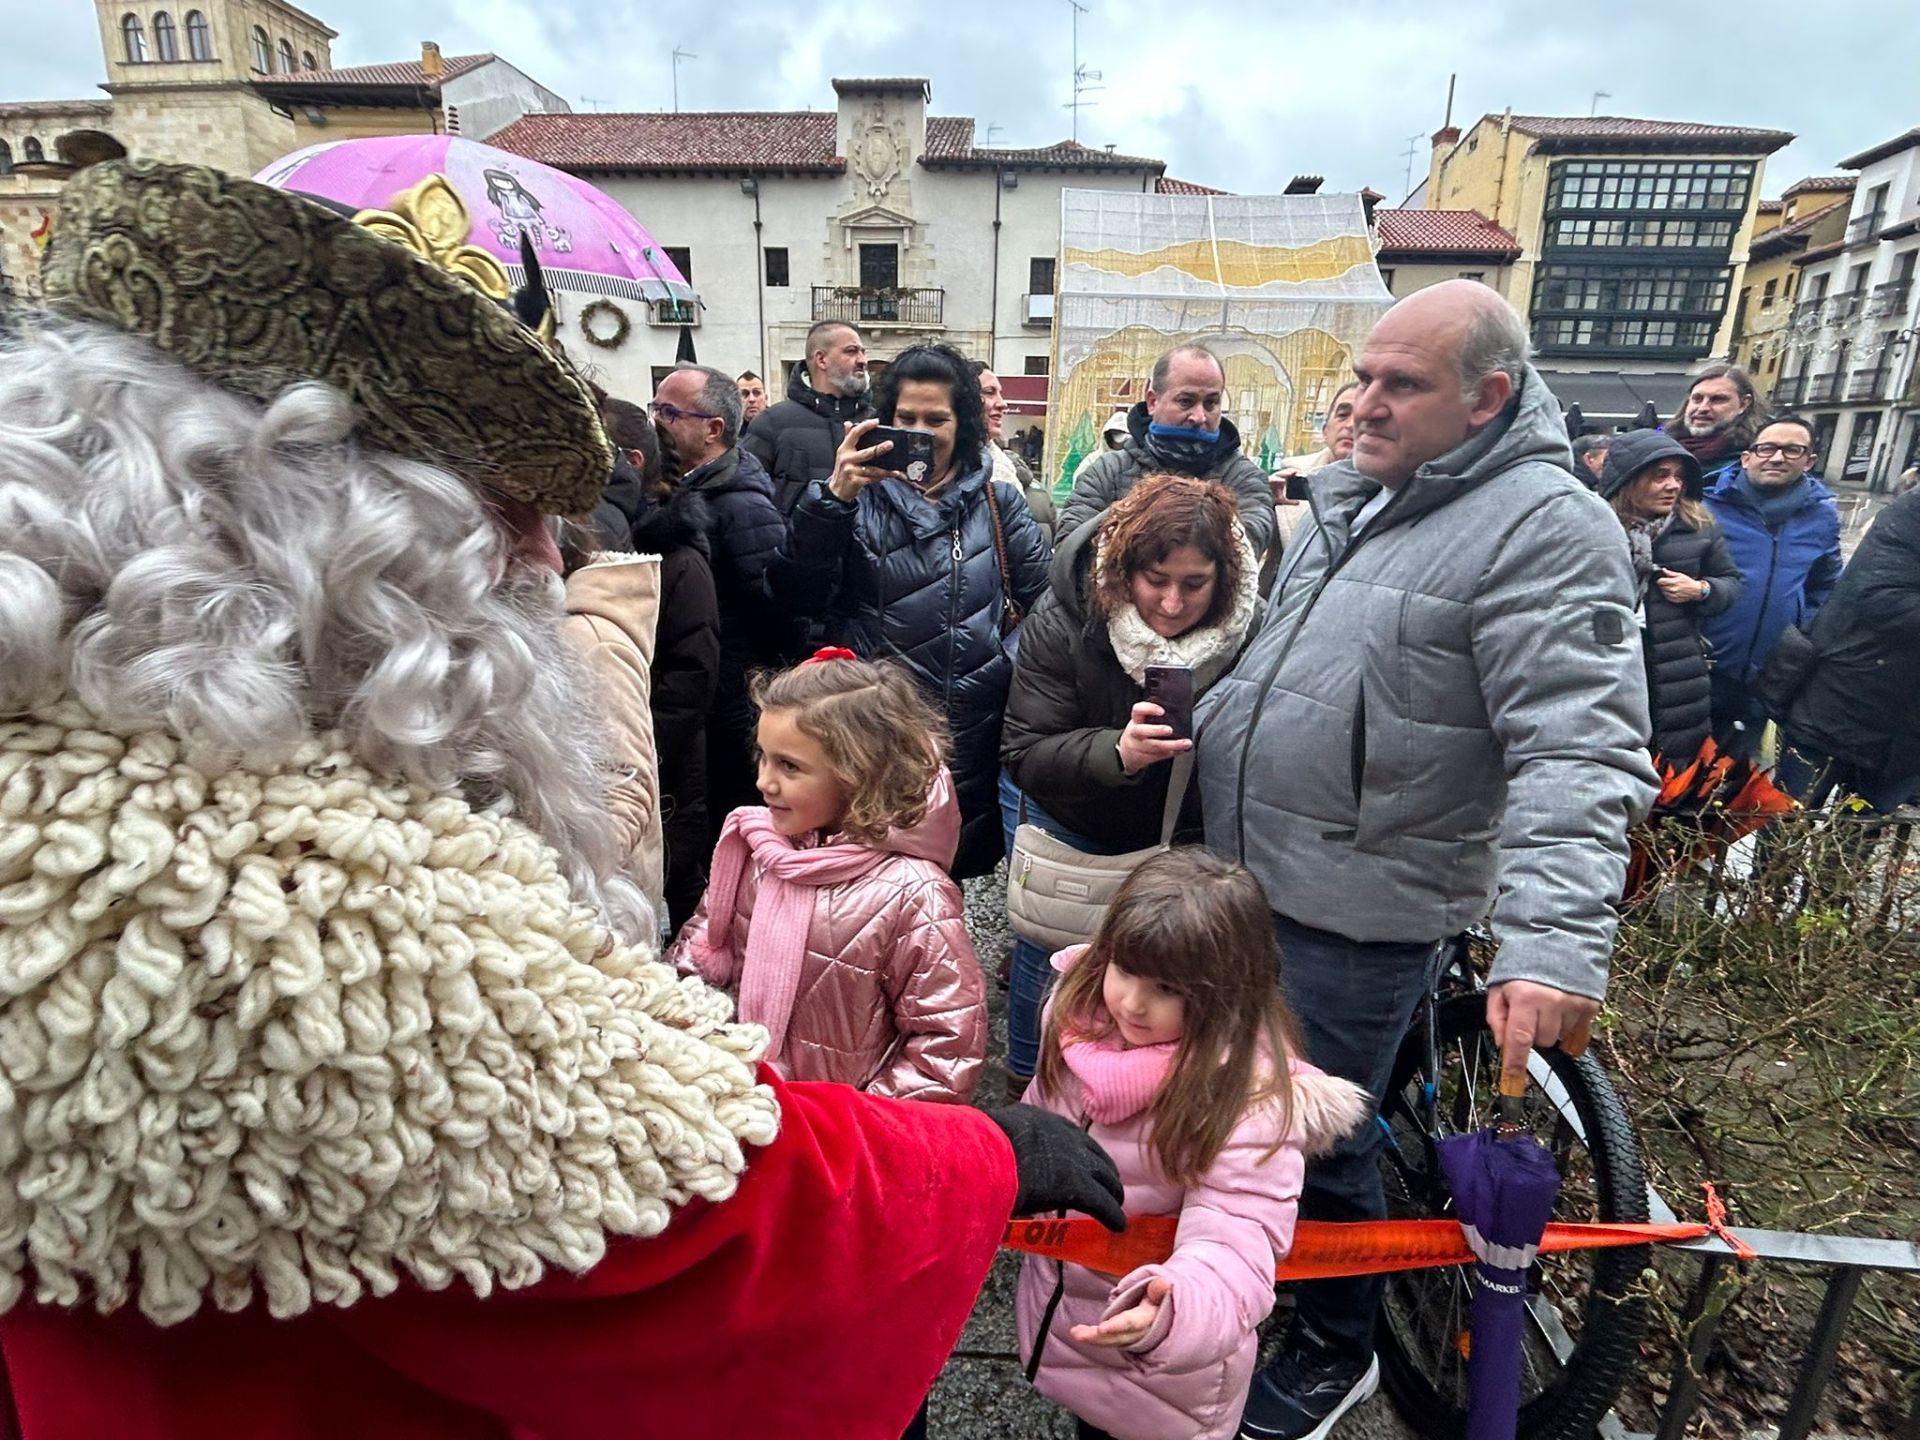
(782, 913)
(1117, 1083)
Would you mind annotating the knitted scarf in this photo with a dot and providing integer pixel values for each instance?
(1709, 450)
(769, 974)
(1117, 1083)
(1206, 649)
(297, 1028)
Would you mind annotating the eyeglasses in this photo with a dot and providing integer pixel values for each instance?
(662, 410)
(1792, 452)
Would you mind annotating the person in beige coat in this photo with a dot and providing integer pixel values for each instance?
(613, 605)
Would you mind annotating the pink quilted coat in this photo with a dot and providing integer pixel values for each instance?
(890, 997)
(1188, 1378)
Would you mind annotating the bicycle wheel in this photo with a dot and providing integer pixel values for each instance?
(1585, 1328)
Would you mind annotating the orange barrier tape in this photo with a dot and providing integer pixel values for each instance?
(1322, 1250)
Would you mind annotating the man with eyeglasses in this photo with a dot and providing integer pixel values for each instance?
(696, 413)
(1784, 535)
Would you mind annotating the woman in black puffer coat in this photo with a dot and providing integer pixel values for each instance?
(911, 571)
(1685, 575)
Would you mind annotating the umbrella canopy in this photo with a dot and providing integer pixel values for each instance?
(1504, 1185)
(582, 238)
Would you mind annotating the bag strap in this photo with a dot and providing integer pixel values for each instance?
(1000, 548)
(1177, 782)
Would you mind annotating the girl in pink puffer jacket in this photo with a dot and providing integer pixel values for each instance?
(829, 912)
(1168, 1040)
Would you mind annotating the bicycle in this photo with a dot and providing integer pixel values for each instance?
(1587, 1320)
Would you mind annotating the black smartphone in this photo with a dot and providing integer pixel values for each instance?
(1171, 688)
(911, 455)
(1299, 487)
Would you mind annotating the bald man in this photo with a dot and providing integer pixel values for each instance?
(1451, 670)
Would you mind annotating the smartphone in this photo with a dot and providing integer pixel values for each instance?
(1299, 487)
(911, 455)
(1171, 688)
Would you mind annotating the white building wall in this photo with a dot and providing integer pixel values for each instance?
(494, 96)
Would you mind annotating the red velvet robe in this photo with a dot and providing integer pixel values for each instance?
(817, 1304)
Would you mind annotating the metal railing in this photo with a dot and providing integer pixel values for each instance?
(890, 304)
(1845, 306)
(1791, 390)
(1823, 387)
(1869, 384)
(1846, 1260)
(1891, 298)
(1865, 227)
(1807, 312)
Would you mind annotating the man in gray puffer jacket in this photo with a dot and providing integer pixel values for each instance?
(1446, 695)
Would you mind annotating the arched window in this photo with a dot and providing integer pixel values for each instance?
(199, 38)
(166, 41)
(135, 34)
(31, 150)
(6, 158)
(307, 61)
(262, 53)
(286, 57)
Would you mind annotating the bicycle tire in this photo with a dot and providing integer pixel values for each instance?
(1425, 1378)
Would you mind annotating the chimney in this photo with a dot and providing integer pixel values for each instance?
(1506, 122)
(1444, 139)
(1304, 185)
(430, 61)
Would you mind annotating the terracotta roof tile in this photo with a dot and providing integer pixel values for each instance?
(761, 140)
(403, 72)
(1770, 207)
(1783, 238)
(1617, 127)
(1449, 232)
(1820, 184)
(1881, 151)
(692, 140)
(1167, 185)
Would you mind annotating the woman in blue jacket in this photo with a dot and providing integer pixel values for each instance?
(932, 572)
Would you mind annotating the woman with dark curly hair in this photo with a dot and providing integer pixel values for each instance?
(932, 572)
(1165, 577)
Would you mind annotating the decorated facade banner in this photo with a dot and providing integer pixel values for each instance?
(1282, 287)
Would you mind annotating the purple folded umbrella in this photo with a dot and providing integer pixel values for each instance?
(1504, 1186)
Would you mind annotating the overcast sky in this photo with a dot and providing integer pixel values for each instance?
(1240, 94)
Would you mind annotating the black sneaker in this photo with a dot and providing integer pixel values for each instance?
(1305, 1391)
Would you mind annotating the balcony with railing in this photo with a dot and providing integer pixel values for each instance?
(1846, 306)
(1891, 298)
(1807, 313)
(1790, 391)
(922, 309)
(1870, 384)
(1865, 227)
(1823, 388)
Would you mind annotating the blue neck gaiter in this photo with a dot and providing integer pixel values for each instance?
(1183, 448)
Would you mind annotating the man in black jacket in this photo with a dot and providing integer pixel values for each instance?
(794, 441)
(696, 412)
(1847, 692)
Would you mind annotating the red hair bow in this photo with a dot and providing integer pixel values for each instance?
(829, 652)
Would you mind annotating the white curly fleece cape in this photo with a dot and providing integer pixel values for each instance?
(306, 1030)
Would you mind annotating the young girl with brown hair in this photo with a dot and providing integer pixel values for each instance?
(1168, 1039)
(829, 912)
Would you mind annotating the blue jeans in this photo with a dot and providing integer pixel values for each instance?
(1354, 1001)
(1030, 977)
(1811, 778)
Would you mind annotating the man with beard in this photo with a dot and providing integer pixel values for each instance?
(795, 440)
(352, 1100)
(1717, 421)
(1177, 430)
(1783, 532)
(696, 411)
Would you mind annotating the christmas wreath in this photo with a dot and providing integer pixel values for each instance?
(611, 339)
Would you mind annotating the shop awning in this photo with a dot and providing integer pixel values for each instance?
(1614, 397)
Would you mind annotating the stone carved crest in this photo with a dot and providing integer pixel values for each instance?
(879, 150)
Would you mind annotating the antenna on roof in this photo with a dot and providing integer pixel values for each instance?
(596, 104)
(1413, 149)
(990, 130)
(678, 56)
(1598, 96)
(1083, 78)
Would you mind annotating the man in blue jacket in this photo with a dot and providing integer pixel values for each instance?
(1784, 535)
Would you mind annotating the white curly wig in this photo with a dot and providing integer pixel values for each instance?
(175, 557)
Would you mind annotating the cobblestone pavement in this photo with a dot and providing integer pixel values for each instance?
(981, 1395)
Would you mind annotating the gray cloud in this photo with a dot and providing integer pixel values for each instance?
(1228, 94)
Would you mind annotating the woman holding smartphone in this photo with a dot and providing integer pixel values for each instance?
(910, 551)
(1160, 590)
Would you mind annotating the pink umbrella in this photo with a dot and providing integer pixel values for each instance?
(582, 238)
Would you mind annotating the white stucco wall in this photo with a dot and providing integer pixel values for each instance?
(494, 96)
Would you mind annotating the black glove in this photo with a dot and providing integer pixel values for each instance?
(1061, 1166)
